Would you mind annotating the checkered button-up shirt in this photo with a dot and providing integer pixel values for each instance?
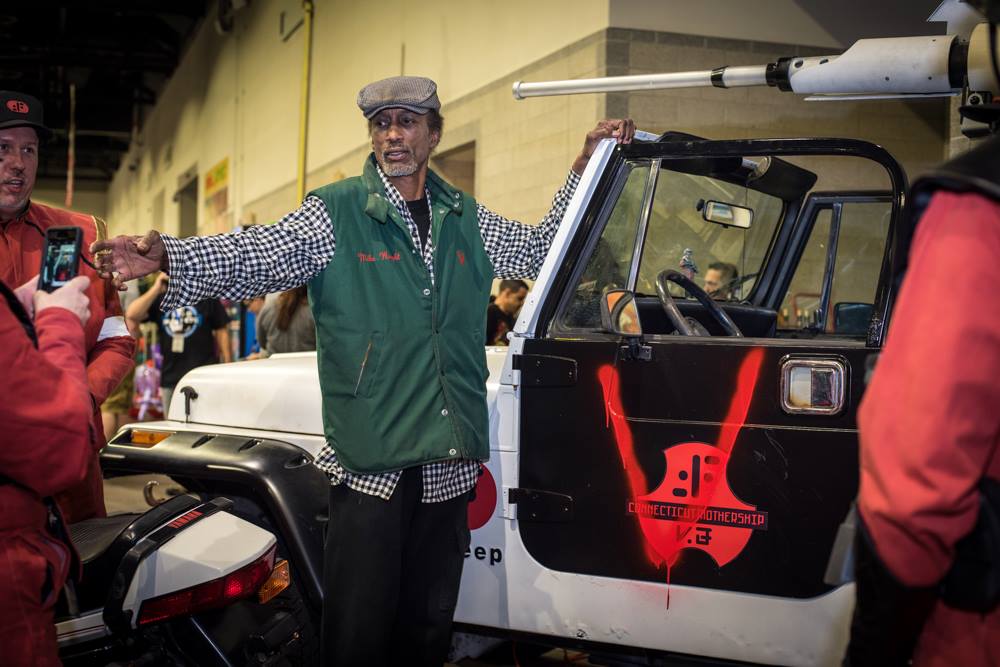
(272, 258)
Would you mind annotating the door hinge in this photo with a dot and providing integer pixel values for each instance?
(537, 505)
(544, 371)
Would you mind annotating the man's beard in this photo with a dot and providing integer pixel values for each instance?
(395, 169)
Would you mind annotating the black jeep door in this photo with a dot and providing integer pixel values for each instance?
(717, 461)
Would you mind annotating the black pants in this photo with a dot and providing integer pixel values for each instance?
(391, 576)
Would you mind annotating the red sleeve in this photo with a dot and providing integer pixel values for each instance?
(111, 358)
(109, 361)
(930, 421)
(44, 402)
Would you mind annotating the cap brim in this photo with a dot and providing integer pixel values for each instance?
(43, 132)
(409, 107)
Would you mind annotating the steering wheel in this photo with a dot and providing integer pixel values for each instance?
(689, 326)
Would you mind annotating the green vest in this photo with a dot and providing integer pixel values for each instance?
(402, 365)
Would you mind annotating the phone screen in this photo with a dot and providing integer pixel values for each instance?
(61, 259)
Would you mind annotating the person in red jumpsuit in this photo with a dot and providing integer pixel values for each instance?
(930, 428)
(45, 410)
(22, 238)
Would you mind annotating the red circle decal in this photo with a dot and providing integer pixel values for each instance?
(481, 509)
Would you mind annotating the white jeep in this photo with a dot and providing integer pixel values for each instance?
(667, 474)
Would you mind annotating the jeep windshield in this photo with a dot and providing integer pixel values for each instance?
(681, 234)
(717, 215)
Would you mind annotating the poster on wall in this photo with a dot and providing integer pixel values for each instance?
(217, 215)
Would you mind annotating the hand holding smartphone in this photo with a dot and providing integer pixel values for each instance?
(72, 297)
(60, 257)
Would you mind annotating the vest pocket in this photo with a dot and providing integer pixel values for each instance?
(367, 366)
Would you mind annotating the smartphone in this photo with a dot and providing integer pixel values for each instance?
(60, 257)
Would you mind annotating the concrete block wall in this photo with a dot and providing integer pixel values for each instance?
(524, 148)
(958, 143)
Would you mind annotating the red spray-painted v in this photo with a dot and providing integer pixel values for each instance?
(695, 481)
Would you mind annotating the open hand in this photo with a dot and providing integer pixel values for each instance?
(125, 258)
(620, 129)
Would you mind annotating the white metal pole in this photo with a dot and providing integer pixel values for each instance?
(731, 77)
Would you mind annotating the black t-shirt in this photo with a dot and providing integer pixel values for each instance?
(422, 216)
(496, 320)
(196, 326)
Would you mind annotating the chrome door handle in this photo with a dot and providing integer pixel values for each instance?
(812, 386)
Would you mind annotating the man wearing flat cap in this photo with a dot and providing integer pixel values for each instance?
(22, 239)
(399, 265)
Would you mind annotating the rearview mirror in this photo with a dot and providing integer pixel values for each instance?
(619, 313)
(728, 215)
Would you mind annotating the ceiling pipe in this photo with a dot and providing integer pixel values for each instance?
(71, 151)
(307, 10)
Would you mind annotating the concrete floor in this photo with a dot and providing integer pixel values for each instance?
(124, 494)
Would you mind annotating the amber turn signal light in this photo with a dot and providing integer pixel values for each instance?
(144, 438)
(277, 582)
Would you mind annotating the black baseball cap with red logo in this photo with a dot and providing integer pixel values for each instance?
(21, 110)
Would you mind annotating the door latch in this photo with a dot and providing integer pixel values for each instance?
(811, 386)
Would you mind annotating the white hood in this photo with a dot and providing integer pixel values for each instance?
(280, 393)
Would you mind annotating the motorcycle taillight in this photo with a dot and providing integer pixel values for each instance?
(211, 594)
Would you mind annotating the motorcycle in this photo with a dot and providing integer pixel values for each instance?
(186, 583)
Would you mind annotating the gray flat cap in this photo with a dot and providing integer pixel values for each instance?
(416, 93)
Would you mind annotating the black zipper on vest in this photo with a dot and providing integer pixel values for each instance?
(364, 362)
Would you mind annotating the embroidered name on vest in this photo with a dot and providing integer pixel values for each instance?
(382, 256)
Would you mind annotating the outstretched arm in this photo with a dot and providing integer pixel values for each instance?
(516, 249)
(262, 259)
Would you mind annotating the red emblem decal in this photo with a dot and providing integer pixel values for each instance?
(17, 106)
(483, 506)
(461, 257)
(693, 507)
(675, 516)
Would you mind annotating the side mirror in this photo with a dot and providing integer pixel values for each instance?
(851, 319)
(620, 313)
(728, 215)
